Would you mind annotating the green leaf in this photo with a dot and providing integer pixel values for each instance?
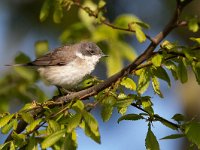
(141, 37)
(131, 117)
(78, 106)
(25, 73)
(161, 73)
(58, 11)
(197, 40)
(147, 105)
(32, 144)
(41, 48)
(173, 68)
(4, 146)
(182, 72)
(44, 12)
(106, 112)
(192, 131)
(27, 117)
(33, 125)
(4, 120)
(73, 122)
(196, 70)
(53, 138)
(156, 86)
(193, 25)
(12, 146)
(22, 58)
(70, 141)
(109, 100)
(178, 117)
(8, 127)
(157, 60)
(91, 126)
(128, 83)
(53, 126)
(143, 82)
(151, 142)
(167, 45)
(173, 136)
(167, 124)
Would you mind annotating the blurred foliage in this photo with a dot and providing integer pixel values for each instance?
(55, 127)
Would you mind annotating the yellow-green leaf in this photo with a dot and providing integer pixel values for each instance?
(156, 86)
(73, 122)
(44, 12)
(41, 48)
(58, 11)
(33, 125)
(182, 72)
(157, 60)
(4, 120)
(27, 117)
(131, 117)
(53, 138)
(128, 83)
(143, 82)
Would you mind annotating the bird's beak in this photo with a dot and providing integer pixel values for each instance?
(104, 55)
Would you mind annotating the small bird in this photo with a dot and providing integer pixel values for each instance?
(69, 65)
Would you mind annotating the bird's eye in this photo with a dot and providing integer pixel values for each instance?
(92, 51)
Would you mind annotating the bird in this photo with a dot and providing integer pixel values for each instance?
(69, 65)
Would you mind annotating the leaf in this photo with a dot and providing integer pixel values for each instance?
(197, 40)
(4, 120)
(173, 136)
(156, 86)
(91, 126)
(157, 60)
(53, 138)
(167, 123)
(178, 117)
(27, 117)
(193, 25)
(161, 73)
(196, 70)
(22, 58)
(143, 81)
(8, 127)
(32, 144)
(41, 48)
(78, 106)
(128, 83)
(182, 72)
(106, 112)
(12, 146)
(151, 142)
(192, 131)
(44, 12)
(146, 104)
(58, 11)
(131, 117)
(70, 141)
(167, 45)
(25, 73)
(33, 125)
(109, 100)
(141, 37)
(53, 126)
(73, 122)
(173, 68)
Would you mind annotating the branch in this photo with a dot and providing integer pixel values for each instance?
(108, 82)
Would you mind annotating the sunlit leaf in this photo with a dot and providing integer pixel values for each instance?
(58, 11)
(70, 141)
(128, 83)
(4, 120)
(73, 122)
(52, 139)
(41, 48)
(143, 82)
(44, 12)
(157, 60)
(53, 126)
(193, 25)
(27, 117)
(156, 86)
(32, 144)
(33, 125)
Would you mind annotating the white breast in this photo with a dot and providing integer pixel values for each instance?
(70, 75)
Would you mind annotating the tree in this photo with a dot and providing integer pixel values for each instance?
(52, 123)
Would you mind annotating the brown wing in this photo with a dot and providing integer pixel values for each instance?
(60, 56)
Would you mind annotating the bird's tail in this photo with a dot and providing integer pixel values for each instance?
(18, 65)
